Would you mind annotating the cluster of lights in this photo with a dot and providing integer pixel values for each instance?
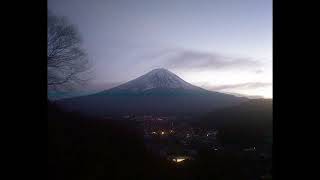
(161, 132)
(179, 160)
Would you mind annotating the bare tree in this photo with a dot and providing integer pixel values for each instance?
(66, 59)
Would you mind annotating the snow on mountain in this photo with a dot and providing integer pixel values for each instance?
(157, 78)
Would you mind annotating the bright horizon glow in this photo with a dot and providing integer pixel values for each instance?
(211, 80)
(264, 92)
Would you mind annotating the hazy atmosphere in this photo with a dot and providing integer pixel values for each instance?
(160, 89)
(220, 45)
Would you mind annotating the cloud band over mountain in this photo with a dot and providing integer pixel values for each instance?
(249, 85)
(196, 60)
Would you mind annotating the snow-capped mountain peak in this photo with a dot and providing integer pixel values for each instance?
(157, 78)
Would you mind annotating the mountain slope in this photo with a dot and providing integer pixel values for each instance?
(157, 92)
(157, 78)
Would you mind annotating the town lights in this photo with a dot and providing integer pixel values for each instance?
(177, 160)
(180, 160)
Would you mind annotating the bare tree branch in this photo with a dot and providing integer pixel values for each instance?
(66, 60)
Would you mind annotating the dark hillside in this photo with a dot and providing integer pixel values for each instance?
(80, 148)
(248, 123)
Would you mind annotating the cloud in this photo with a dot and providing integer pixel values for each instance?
(248, 85)
(245, 95)
(90, 88)
(259, 71)
(197, 60)
(102, 86)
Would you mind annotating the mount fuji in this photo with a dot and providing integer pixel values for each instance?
(157, 92)
(157, 78)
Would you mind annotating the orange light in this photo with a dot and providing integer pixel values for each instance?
(179, 160)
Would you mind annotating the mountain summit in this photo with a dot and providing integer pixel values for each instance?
(156, 79)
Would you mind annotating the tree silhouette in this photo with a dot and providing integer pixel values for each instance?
(66, 60)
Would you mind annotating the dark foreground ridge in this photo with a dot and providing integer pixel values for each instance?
(92, 148)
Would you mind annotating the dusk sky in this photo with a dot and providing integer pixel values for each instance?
(220, 45)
